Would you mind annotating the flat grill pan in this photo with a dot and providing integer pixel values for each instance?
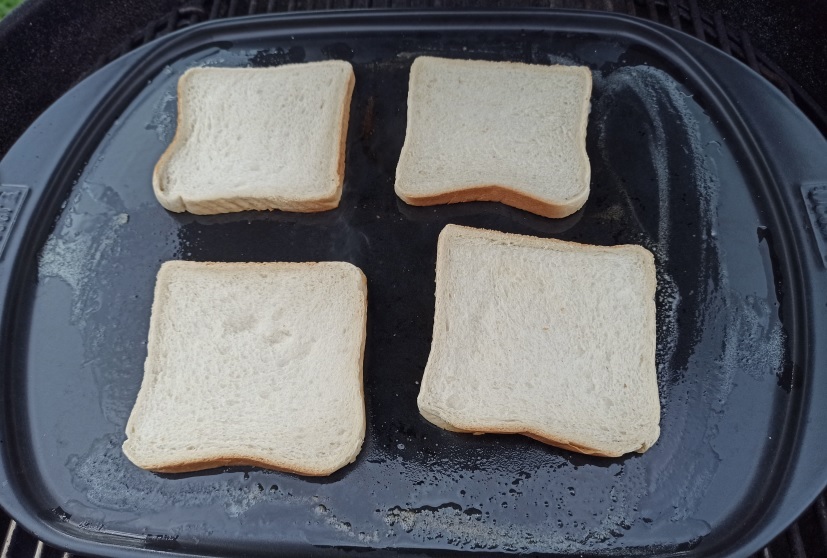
(693, 156)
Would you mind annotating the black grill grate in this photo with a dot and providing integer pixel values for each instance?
(682, 15)
(807, 538)
(19, 543)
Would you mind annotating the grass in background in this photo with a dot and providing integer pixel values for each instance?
(7, 5)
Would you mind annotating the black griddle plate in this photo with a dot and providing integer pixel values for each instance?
(693, 156)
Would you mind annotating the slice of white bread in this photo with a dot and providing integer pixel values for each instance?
(252, 364)
(496, 131)
(258, 138)
(551, 339)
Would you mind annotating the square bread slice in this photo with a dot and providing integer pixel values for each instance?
(252, 364)
(258, 138)
(496, 131)
(551, 339)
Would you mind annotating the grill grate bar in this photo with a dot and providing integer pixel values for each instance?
(749, 52)
(653, 10)
(697, 21)
(799, 96)
(149, 33)
(721, 33)
(821, 514)
(194, 12)
(8, 540)
(171, 21)
(796, 542)
(675, 14)
(214, 10)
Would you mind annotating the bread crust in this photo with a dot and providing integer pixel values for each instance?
(503, 194)
(238, 460)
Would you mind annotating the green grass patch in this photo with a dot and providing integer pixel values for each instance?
(7, 5)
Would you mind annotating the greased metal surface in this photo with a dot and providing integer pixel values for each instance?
(664, 175)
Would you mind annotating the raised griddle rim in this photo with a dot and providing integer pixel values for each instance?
(86, 113)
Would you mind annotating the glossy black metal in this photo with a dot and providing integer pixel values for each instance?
(693, 155)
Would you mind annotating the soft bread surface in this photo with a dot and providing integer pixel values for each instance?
(551, 339)
(252, 364)
(258, 138)
(496, 131)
